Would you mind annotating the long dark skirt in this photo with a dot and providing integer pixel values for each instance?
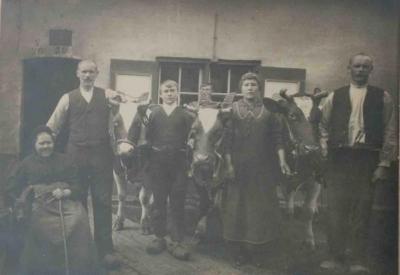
(45, 251)
(250, 208)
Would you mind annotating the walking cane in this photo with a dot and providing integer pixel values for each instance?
(60, 207)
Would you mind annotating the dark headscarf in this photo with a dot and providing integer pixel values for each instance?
(39, 130)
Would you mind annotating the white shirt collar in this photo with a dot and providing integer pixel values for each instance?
(87, 94)
(354, 86)
(169, 108)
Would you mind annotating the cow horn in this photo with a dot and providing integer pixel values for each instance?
(228, 101)
(190, 108)
(283, 93)
(321, 95)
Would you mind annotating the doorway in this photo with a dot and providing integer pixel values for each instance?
(45, 80)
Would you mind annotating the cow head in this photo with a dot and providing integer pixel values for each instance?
(299, 127)
(206, 138)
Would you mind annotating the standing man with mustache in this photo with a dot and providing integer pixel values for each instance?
(86, 112)
(359, 139)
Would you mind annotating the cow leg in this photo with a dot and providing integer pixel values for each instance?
(204, 208)
(146, 200)
(121, 184)
(293, 188)
(310, 208)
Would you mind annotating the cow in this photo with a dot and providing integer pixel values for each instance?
(128, 169)
(302, 153)
(208, 165)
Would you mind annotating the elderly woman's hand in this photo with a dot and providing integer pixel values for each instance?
(58, 193)
(66, 193)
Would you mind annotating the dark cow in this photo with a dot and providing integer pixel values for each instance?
(302, 154)
(208, 167)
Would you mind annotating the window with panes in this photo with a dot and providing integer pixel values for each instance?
(225, 75)
(191, 73)
(188, 73)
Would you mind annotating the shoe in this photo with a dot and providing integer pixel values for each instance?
(156, 246)
(178, 250)
(111, 262)
(358, 268)
(240, 259)
(330, 265)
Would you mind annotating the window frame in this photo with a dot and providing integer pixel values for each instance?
(231, 64)
(202, 63)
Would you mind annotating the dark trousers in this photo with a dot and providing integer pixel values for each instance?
(383, 237)
(5, 236)
(167, 175)
(95, 164)
(350, 197)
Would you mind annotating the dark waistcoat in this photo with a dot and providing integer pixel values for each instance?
(168, 131)
(88, 122)
(373, 118)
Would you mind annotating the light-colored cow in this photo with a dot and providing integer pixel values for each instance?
(128, 108)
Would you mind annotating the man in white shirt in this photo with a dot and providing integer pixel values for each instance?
(359, 138)
(86, 113)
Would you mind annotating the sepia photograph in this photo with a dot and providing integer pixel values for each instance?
(199, 137)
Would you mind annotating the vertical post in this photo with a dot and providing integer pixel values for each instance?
(228, 86)
(215, 38)
(180, 83)
(159, 83)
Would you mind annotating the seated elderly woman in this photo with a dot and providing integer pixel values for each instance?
(58, 235)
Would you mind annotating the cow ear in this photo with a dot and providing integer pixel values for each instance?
(225, 114)
(321, 95)
(283, 93)
(191, 108)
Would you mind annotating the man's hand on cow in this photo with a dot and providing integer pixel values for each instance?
(125, 149)
(285, 169)
(113, 97)
(381, 173)
(190, 143)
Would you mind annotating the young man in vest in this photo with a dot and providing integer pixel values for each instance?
(359, 138)
(86, 112)
(167, 132)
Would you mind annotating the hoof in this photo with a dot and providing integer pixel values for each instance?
(201, 227)
(146, 231)
(308, 245)
(118, 224)
(146, 227)
(239, 261)
(178, 250)
(156, 246)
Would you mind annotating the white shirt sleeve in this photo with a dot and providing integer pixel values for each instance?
(325, 119)
(59, 116)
